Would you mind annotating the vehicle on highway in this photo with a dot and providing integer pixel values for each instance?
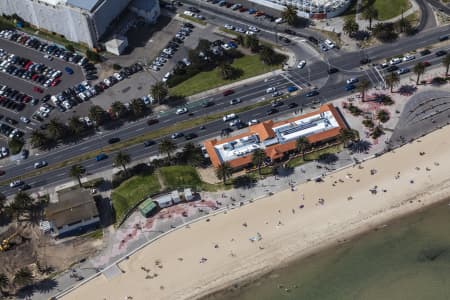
(2, 172)
(190, 136)
(425, 52)
(392, 68)
(441, 53)
(291, 89)
(402, 71)
(15, 183)
(152, 121)
(443, 38)
(181, 110)
(226, 131)
(292, 105)
(24, 187)
(408, 57)
(312, 93)
(332, 70)
(277, 93)
(101, 156)
(24, 154)
(271, 111)
(352, 80)
(277, 103)
(229, 117)
(149, 143)
(349, 87)
(234, 122)
(253, 122)
(113, 140)
(207, 103)
(68, 70)
(176, 135)
(271, 90)
(364, 61)
(40, 164)
(426, 63)
(253, 28)
(228, 92)
(395, 61)
(301, 64)
(235, 101)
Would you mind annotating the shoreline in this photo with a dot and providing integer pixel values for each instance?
(242, 283)
(306, 232)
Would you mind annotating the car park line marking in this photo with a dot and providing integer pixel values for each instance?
(28, 127)
(288, 79)
(59, 175)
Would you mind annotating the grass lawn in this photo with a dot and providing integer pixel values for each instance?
(297, 161)
(249, 64)
(180, 176)
(131, 191)
(388, 9)
(192, 19)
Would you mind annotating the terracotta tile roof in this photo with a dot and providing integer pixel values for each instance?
(264, 130)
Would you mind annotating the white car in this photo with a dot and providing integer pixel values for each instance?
(229, 27)
(253, 28)
(188, 13)
(239, 29)
(40, 164)
(107, 82)
(253, 122)
(301, 64)
(271, 90)
(408, 57)
(395, 61)
(181, 110)
(4, 152)
(229, 117)
(352, 80)
(24, 119)
(118, 76)
(15, 183)
(279, 20)
(249, 32)
(49, 57)
(329, 44)
(235, 101)
(234, 122)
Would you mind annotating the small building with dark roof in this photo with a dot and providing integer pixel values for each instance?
(75, 213)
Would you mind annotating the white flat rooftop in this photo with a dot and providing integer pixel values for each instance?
(239, 147)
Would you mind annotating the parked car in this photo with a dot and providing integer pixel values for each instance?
(332, 70)
(292, 88)
(301, 64)
(68, 70)
(352, 80)
(312, 93)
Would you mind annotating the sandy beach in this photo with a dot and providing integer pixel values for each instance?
(225, 248)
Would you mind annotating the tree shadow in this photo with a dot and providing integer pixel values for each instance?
(328, 158)
(174, 101)
(25, 292)
(46, 285)
(244, 181)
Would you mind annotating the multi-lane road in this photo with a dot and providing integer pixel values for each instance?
(333, 87)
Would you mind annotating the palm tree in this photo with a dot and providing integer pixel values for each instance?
(4, 282)
(302, 144)
(226, 71)
(363, 86)
(267, 55)
(258, 157)
(159, 91)
(122, 159)
(446, 63)
(22, 203)
(350, 26)
(346, 135)
(224, 171)
(370, 13)
(56, 129)
(75, 125)
(23, 277)
(167, 146)
(392, 80)
(240, 39)
(137, 107)
(76, 171)
(97, 114)
(252, 43)
(290, 15)
(118, 108)
(419, 70)
(38, 139)
(192, 155)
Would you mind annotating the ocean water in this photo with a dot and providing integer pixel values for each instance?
(408, 259)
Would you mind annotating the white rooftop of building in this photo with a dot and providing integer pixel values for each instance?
(284, 133)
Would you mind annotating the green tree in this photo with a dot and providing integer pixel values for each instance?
(76, 127)
(370, 13)
(77, 171)
(122, 159)
(267, 55)
(38, 139)
(118, 109)
(92, 56)
(56, 129)
(226, 71)
(240, 40)
(137, 107)
(70, 48)
(302, 144)
(252, 43)
(224, 171)
(258, 158)
(15, 145)
(192, 155)
(362, 87)
(23, 277)
(346, 135)
(4, 282)
(419, 70)
(159, 91)
(97, 114)
(22, 203)
(392, 80)
(290, 15)
(350, 26)
(446, 63)
(167, 146)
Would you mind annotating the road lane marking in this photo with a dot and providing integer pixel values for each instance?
(288, 79)
(139, 129)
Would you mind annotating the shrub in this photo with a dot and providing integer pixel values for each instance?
(368, 123)
(383, 116)
(15, 145)
(70, 48)
(377, 132)
(92, 56)
(117, 67)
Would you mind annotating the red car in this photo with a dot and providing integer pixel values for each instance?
(38, 90)
(55, 82)
(228, 92)
(243, 9)
(426, 64)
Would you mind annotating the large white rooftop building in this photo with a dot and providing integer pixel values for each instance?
(317, 9)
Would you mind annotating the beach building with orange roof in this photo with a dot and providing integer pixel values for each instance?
(277, 139)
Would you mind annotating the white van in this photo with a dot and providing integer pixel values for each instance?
(229, 117)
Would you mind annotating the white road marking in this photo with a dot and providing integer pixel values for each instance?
(288, 79)
(139, 129)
